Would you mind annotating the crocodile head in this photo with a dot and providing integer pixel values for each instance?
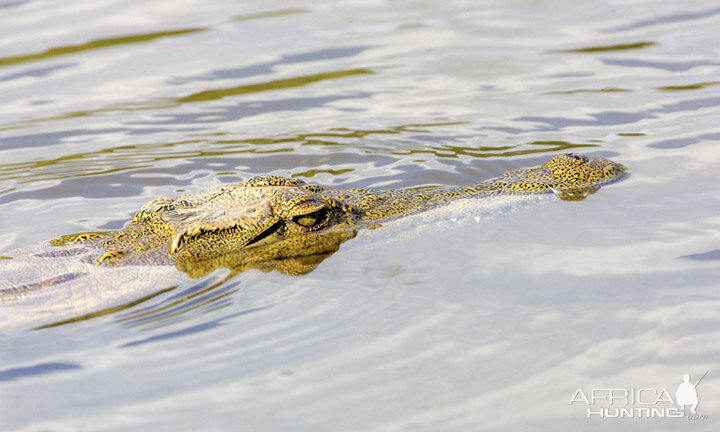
(269, 222)
(571, 176)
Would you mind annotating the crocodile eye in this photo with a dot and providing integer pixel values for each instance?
(312, 220)
(577, 157)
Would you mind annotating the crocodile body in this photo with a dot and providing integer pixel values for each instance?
(278, 223)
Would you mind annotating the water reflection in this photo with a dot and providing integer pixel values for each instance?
(213, 292)
(607, 48)
(133, 38)
(452, 151)
(605, 118)
(268, 67)
(665, 19)
(697, 86)
(216, 94)
(240, 110)
(97, 44)
(670, 66)
(35, 370)
(315, 249)
(202, 96)
(38, 72)
(105, 311)
(602, 90)
(198, 153)
(704, 256)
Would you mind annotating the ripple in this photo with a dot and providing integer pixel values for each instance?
(676, 17)
(671, 66)
(97, 44)
(605, 118)
(607, 48)
(687, 87)
(130, 39)
(216, 94)
(268, 67)
(36, 370)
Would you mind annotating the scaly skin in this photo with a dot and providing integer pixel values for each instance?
(278, 223)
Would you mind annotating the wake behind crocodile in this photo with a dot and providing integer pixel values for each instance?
(450, 217)
(143, 293)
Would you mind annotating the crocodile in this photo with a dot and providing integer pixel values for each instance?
(279, 223)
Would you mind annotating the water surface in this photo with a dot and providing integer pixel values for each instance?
(436, 322)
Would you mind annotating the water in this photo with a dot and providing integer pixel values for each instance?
(424, 324)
